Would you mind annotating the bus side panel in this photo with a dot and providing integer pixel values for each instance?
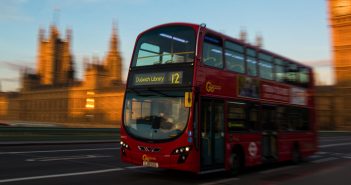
(305, 141)
(214, 82)
(251, 145)
(285, 143)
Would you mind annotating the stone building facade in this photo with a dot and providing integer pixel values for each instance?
(333, 103)
(3, 105)
(52, 95)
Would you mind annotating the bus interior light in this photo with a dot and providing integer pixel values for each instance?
(174, 38)
(251, 61)
(216, 51)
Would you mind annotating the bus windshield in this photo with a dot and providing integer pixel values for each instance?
(172, 44)
(155, 115)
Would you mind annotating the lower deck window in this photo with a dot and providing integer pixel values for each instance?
(249, 116)
(243, 116)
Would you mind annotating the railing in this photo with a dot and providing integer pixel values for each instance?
(57, 134)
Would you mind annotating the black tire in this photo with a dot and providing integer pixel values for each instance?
(236, 164)
(296, 155)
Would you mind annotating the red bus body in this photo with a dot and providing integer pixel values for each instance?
(261, 127)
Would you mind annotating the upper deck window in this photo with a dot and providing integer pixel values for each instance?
(279, 70)
(266, 66)
(172, 44)
(304, 76)
(212, 53)
(292, 73)
(234, 57)
(251, 62)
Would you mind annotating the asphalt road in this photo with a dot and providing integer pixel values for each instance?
(99, 164)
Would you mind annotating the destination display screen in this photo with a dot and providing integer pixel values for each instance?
(159, 78)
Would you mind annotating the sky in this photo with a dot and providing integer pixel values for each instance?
(296, 29)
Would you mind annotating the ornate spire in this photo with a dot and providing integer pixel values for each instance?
(243, 35)
(68, 35)
(113, 63)
(113, 41)
(259, 41)
(41, 34)
(54, 32)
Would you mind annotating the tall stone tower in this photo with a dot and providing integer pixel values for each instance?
(340, 23)
(333, 103)
(113, 60)
(55, 61)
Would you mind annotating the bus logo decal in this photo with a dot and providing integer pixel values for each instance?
(210, 87)
(148, 158)
(252, 149)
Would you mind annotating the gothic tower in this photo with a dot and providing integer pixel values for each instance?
(340, 23)
(113, 60)
(55, 61)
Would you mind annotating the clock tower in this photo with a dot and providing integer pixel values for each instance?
(340, 23)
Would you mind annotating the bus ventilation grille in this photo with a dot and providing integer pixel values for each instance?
(148, 149)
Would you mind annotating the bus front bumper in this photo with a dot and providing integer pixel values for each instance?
(172, 161)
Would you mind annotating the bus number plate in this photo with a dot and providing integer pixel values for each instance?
(150, 164)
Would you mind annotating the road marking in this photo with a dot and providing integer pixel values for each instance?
(337, 154)
(212, 171)
(314, 156)
(278, 169)
(61, 175)
(53, 151)
(62, 158)
(335, 138)
(220, 181)
(325, 160)
(321, 153)
(134, 167)
(333, 145)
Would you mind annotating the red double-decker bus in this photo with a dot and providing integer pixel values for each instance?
(200, 101)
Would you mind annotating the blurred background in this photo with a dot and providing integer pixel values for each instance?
(64, 63)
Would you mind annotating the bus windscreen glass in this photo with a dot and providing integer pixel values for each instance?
(155, 115)
(172, 44)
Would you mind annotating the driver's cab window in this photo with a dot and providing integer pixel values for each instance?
(148, 54)
(212, 54)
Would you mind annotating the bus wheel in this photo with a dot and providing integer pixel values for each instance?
(296, 156)
(236, 164)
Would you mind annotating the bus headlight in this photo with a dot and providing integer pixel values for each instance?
(183, 153)
(124, 145)
(181, 150)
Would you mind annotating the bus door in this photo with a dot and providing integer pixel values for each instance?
(269, 133)
(212, 134)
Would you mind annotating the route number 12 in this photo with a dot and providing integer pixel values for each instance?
(175, 78)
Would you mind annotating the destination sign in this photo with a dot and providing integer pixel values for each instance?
(160, 78)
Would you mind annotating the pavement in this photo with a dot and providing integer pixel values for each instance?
(99, 163)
